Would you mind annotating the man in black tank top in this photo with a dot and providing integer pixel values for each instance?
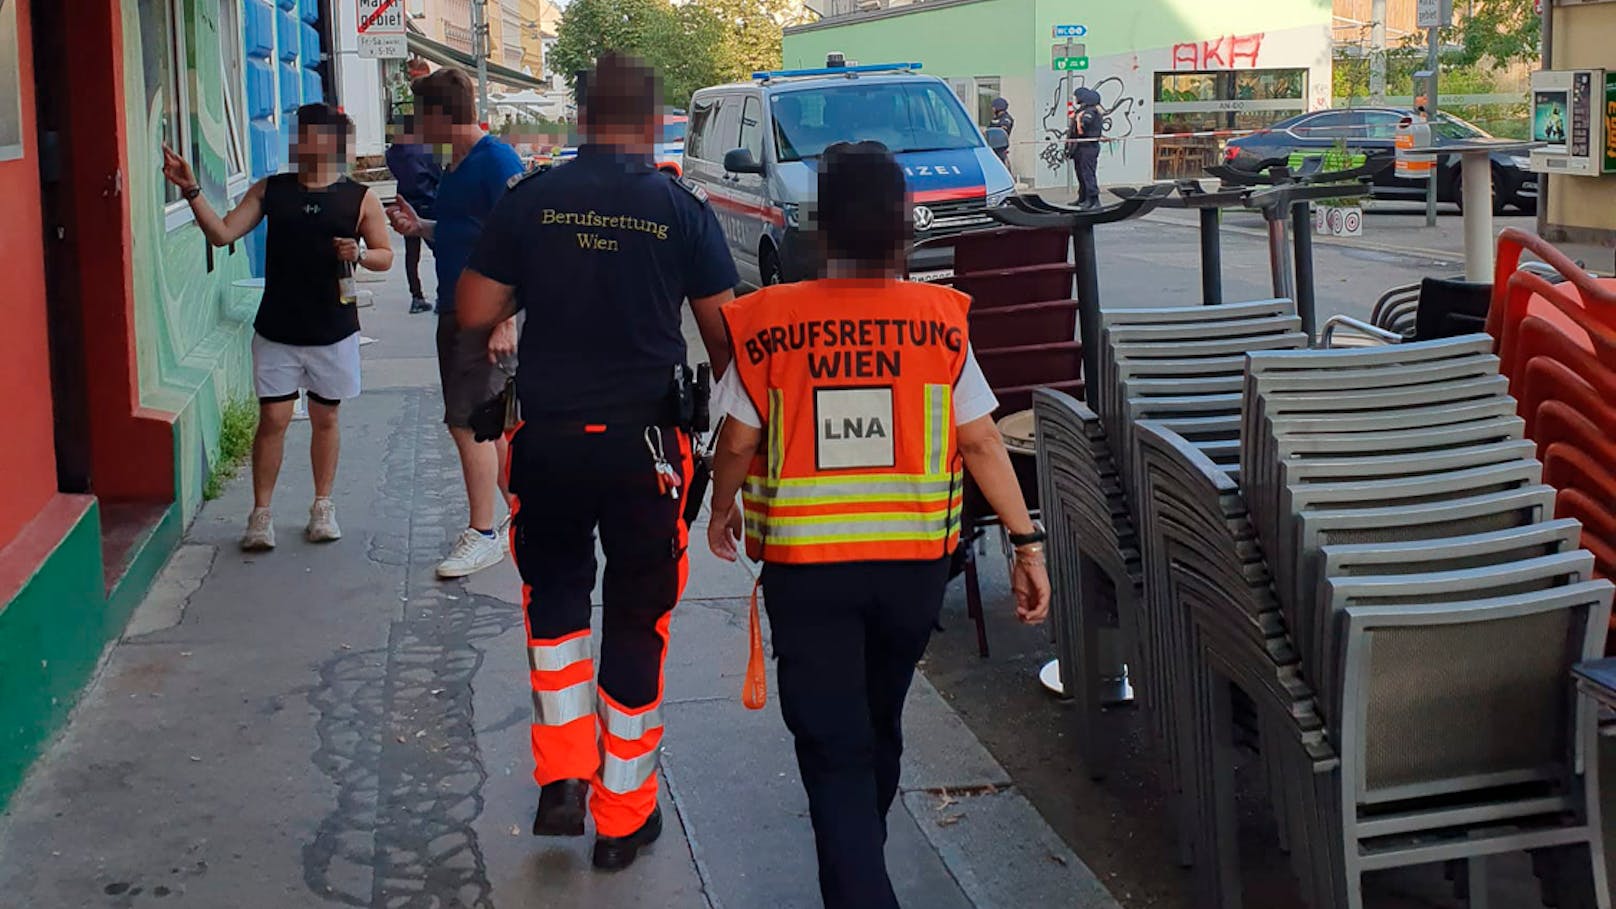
(307, 330)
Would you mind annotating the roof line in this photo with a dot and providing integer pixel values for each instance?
(919, 6)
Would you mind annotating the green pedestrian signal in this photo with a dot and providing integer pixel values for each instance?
(1071, 64)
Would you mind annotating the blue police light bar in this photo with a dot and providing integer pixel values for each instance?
(766, 75)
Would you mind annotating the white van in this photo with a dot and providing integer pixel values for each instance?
(755, 147)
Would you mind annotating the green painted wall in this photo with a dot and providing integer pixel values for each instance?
(193, 328)
(992, 36)
(51, 635)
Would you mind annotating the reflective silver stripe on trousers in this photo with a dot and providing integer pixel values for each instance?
(556, 657)
(630, 727)
(625, 776)
(558, 708)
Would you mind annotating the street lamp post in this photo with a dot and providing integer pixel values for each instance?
(479, 49)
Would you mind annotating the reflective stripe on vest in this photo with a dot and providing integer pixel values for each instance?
(558, 708)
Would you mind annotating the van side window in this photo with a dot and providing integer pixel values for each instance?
(724, 131)
(752, 127)
(701, 116)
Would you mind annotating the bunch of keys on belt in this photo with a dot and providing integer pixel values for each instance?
(667, 478)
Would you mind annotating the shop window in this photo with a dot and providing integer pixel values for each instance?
(1190, 105)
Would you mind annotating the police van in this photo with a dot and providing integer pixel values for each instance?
(755, 148)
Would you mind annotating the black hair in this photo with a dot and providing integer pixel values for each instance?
(321, 114)
(450, 91)
(863, 212)
(622, 90)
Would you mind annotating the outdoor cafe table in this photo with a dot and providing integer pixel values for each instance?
(1476, 173)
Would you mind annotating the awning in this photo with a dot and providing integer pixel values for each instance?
(444, 55)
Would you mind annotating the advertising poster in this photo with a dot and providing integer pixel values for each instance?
(10, 84)
(1550, 117)
(1610, 123)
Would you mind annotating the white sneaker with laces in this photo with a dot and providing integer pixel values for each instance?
(472, 553)
(323, 522)
(260, 535)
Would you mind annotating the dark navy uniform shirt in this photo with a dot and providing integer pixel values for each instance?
(603, 252)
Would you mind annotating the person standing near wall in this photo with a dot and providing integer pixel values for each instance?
(307, 330)
(1003, 120)
(1083, 145)
(417, 174)
(472, 365)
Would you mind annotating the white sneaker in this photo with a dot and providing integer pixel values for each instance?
(323, 522)
(472, 553)
(260, 535)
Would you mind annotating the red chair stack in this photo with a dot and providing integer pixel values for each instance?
(1557, 344)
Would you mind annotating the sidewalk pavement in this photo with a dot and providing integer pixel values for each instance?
(331, 725)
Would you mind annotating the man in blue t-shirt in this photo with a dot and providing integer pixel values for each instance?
(473, 366)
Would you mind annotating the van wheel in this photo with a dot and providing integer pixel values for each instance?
(769, 266)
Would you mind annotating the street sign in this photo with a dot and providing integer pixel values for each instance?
(1434, 13)
(381, 30)
(1071, 64)
(1066, 49)
(1070, 31)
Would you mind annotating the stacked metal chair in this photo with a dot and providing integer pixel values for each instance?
(1387, 586)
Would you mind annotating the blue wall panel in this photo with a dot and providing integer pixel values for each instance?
(291, 87)
(311, 45)
(260, 89)
(313, 90)
(259, 23)
(288, 35)
(311, 11)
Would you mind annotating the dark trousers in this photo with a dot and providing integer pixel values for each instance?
(1087, 159)
(847, 638)
(567, 484)
(412, 264)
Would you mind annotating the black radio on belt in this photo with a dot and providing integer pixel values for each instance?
(691, 394)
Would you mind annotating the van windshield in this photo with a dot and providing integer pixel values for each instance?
(903, 116)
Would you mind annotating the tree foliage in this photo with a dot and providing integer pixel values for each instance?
(691, 45)
(1501, 31)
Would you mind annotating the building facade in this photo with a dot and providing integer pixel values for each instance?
(128, 334)
(1582, 209)
(1170, 72)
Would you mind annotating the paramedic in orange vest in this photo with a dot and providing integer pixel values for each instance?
(853, 403)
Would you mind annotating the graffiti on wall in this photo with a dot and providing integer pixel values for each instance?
(1227, 52)
(1118, 105)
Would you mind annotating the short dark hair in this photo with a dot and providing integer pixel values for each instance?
(622, 90)
(449, 91)
(325, 115)
(863, 207)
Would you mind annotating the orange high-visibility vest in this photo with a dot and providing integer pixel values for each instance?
(855, 381)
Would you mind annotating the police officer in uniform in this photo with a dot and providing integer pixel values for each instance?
(1003, 120)
(1083, 145)
(853, 403)
(601, 255)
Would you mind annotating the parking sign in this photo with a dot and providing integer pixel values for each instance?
(381, 30)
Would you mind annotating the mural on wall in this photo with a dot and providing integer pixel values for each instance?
(1121, 106)
(192, 327)
(10, 83)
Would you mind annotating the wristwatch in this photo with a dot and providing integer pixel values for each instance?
(191, 192)
(360, 259)
(1027, 539)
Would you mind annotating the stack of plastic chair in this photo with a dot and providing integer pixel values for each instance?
(1388, 563)
(1183, 365)
(1024, 334)
(1557, 345)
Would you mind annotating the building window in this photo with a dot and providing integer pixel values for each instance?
(457, 37)
(234, 86)
(176, 111)
(987, 88)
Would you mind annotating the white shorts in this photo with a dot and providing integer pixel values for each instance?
(329, 372)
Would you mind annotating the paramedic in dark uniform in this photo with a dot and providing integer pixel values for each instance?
(601, 254)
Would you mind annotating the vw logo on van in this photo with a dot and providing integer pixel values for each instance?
(923, 218)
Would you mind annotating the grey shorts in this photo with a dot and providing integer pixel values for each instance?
(329, 372)
(469, 380)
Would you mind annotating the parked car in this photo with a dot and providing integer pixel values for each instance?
(670, 148)
(755, 148)
(1372, 131)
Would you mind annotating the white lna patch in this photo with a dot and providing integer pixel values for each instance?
(853, 428)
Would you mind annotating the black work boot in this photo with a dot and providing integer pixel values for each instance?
(614, 853)
(561, 809)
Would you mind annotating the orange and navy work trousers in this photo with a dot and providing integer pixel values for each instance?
(569, 482)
